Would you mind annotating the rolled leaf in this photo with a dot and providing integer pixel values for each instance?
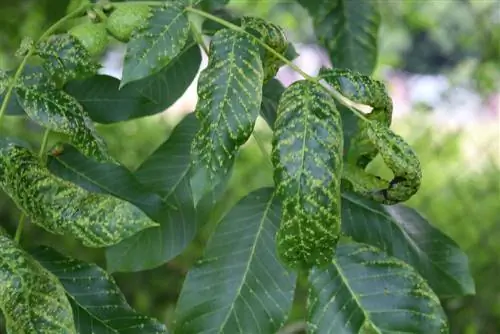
(32, 300)
(157, 42)
(60, 207)
(307, 157)
(230, 91)
(365, 291)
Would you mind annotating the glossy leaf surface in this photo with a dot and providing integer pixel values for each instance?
(239, 286)
(366, 291)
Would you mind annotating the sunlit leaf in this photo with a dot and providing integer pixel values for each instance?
(31, 299)
(307, 156)
(239, 286)
(60, 207)
(99, 306)
(366, 291)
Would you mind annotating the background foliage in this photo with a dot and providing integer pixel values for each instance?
(460, 193)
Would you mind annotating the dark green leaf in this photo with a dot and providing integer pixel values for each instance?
(65, 58)
(211, 5)
(239, 286)
(210, 27)
(98, 305)
(61, 207)
(403, 233)
(55, 110)
(271, 93)
(157, 43)
(13, 107)
(230, 91)
(366, 291)
(348, 29)
(105, 103)
(31, 299)
(307, 157)
(166, 172)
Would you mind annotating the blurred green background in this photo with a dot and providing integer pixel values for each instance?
(441, 61)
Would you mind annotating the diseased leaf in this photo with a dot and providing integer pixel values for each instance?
(271, 93)
(55, 110)
(239, 286)
(31, 299)
(307, 157)
(403, 233)
(98, 304)
(366, 291)
(348, 30)
(157, 43)
(230, 91)
(60, 207)
(65, 58)
(105, 103)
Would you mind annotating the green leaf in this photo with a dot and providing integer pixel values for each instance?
(31, 298)
(98, 304)
(166, 172)
(210, 27)
(239, 286)
(366, 291)
(65, 58)
(348, 30)
(403, 233)
(157, 43)
(230, 91)
(211, 5)
(307, 157)
(13, 107)
(271, 93)
(55, 110)
(60, 207)
(105, 103)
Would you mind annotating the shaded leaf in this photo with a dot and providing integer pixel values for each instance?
(271, 93)
(154, 45)
(105, 103)
(230, 91)
(98, 304)
(13, 107)
(239, 286)
(55, 110)
(366, 291)
(210, 27)
(403, 233)
(61, 207)
(307, 157)
(65, 58)
(348, 30)
(31, 299)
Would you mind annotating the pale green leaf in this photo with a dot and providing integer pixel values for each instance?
(31, 298)
(239, 286)
(307, 156)
(365, 291)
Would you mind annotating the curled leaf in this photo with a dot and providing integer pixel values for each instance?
(60, 207)
(307, 157)
(31, 298)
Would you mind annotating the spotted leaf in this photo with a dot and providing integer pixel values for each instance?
(230, 91)
(98, 304)
(31, 298)
(307, 157)
(154, 45)
(60, 207)
(364, 290)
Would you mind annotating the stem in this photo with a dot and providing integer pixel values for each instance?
(41, 155)
(21, 66)
(199, 38)
(262, 148)
(344, 100)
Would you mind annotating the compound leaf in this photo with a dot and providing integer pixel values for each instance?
(61, 207)
(157, 43)
(307, 157)
(31, 298)
(230, 91)
(105, 103)
(98, 305)
(365, 291)
(239, 286)
(348, 30)
(403, 233)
